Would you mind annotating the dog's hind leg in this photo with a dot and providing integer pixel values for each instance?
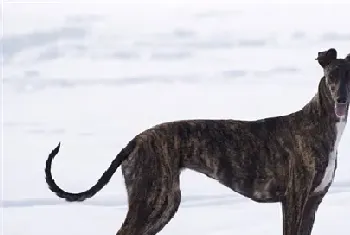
(151, 208)
(169, 208)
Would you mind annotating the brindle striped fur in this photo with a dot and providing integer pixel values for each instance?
(276, 159)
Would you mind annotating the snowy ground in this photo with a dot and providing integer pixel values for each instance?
(94, 76)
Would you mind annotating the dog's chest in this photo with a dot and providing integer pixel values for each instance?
(329, 172)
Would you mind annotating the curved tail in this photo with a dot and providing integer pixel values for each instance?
(107, 175)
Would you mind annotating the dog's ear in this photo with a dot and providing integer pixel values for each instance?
(324, 58)
(347, 58)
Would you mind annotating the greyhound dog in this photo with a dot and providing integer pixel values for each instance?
(288, 159)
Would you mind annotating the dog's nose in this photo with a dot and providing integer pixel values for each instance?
(341, 100)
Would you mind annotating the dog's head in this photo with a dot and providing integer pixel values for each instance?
(337, 74)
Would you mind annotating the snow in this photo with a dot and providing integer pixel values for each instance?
(93, 76)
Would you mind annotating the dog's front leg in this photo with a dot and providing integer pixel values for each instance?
(294, 203)
(309, 214)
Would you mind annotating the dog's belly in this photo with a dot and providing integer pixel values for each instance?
(260, 190)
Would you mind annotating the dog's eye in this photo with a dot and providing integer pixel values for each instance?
(332, 78)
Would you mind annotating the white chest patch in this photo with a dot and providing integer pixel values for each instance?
(330, 170)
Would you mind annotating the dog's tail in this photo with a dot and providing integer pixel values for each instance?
(107, 175)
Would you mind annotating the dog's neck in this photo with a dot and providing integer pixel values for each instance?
(321, 107)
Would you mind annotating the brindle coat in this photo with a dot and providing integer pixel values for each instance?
(289, 159)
